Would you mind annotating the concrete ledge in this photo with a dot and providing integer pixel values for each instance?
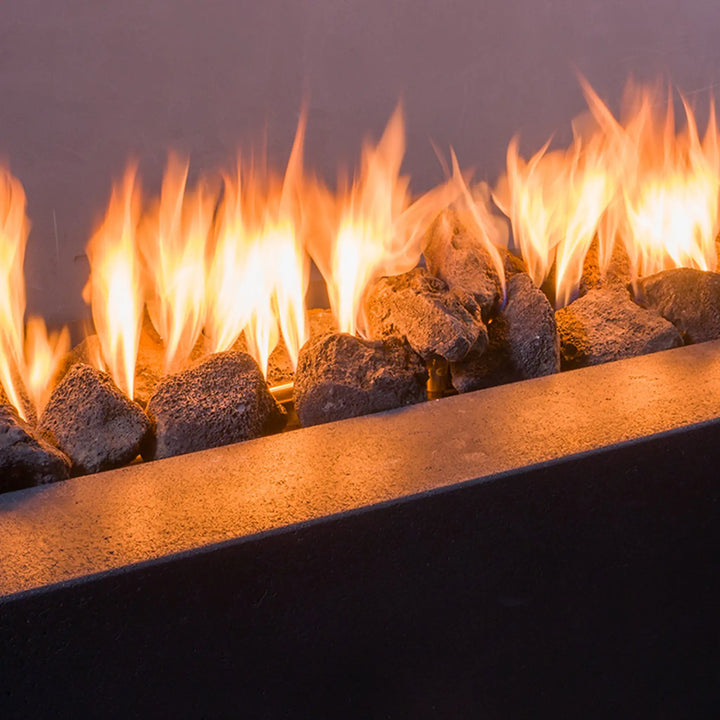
(371, 568)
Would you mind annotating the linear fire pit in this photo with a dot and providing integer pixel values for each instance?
(550, 544)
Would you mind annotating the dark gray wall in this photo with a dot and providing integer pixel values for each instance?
(85, 84)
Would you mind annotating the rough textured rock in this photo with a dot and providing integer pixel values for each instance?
(222, 400)
(523, 342)
(459, 258)
(92, 422)
(433, 319)
(26, 460)
(340, 376)
(689, 299)
(606, 325)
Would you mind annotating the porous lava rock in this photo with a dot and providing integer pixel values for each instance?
(222, 400)
(688, 298)
(92, 422)
(523, 342)
(435, 320)
(26, 459)
(606, 325)
(341, 376)
(461, 259)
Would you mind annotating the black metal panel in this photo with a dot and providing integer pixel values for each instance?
(586, 587)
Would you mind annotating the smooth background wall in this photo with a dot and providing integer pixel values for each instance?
(84, 85)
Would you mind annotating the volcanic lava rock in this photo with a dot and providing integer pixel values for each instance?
(606, 325)
(222, 400)
(26, 459)
(92, 422)
(433, 319)
(340, 376)
(523, 342)
(689, 299)
(461, 259)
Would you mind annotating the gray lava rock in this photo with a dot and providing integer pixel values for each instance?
(689, 299)
(523, 342)
(340, 376)
(92, 422)
(460, 259)
(222, 400)
(26, 460)
(433, 319)
(606, 325)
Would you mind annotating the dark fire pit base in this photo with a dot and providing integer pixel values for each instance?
(583, 583)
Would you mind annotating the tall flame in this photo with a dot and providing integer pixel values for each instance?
(555, 202)
(173, 242)
(671, 180)
(115, 289)
(379, 228)
(14, 227)
(259, 271)
(29, 359)
(641, 181)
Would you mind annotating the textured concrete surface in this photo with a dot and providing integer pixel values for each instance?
(100, 523)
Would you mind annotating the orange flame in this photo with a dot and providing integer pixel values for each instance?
(555, 202)
(669, 210)
(115, 290)
(379, 229)
(29, 359)
(173, 242)
(641, 181)
(14, 227)
(259, 271)
(43, 353)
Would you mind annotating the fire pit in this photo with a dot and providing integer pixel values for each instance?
(583, 465)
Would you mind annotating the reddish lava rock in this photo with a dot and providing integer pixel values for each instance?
(26, 460)
(222, 400)
(341, 376)
(523, 342)
(689, 299)
(433, 319)
(92, 422)
(606, 325)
